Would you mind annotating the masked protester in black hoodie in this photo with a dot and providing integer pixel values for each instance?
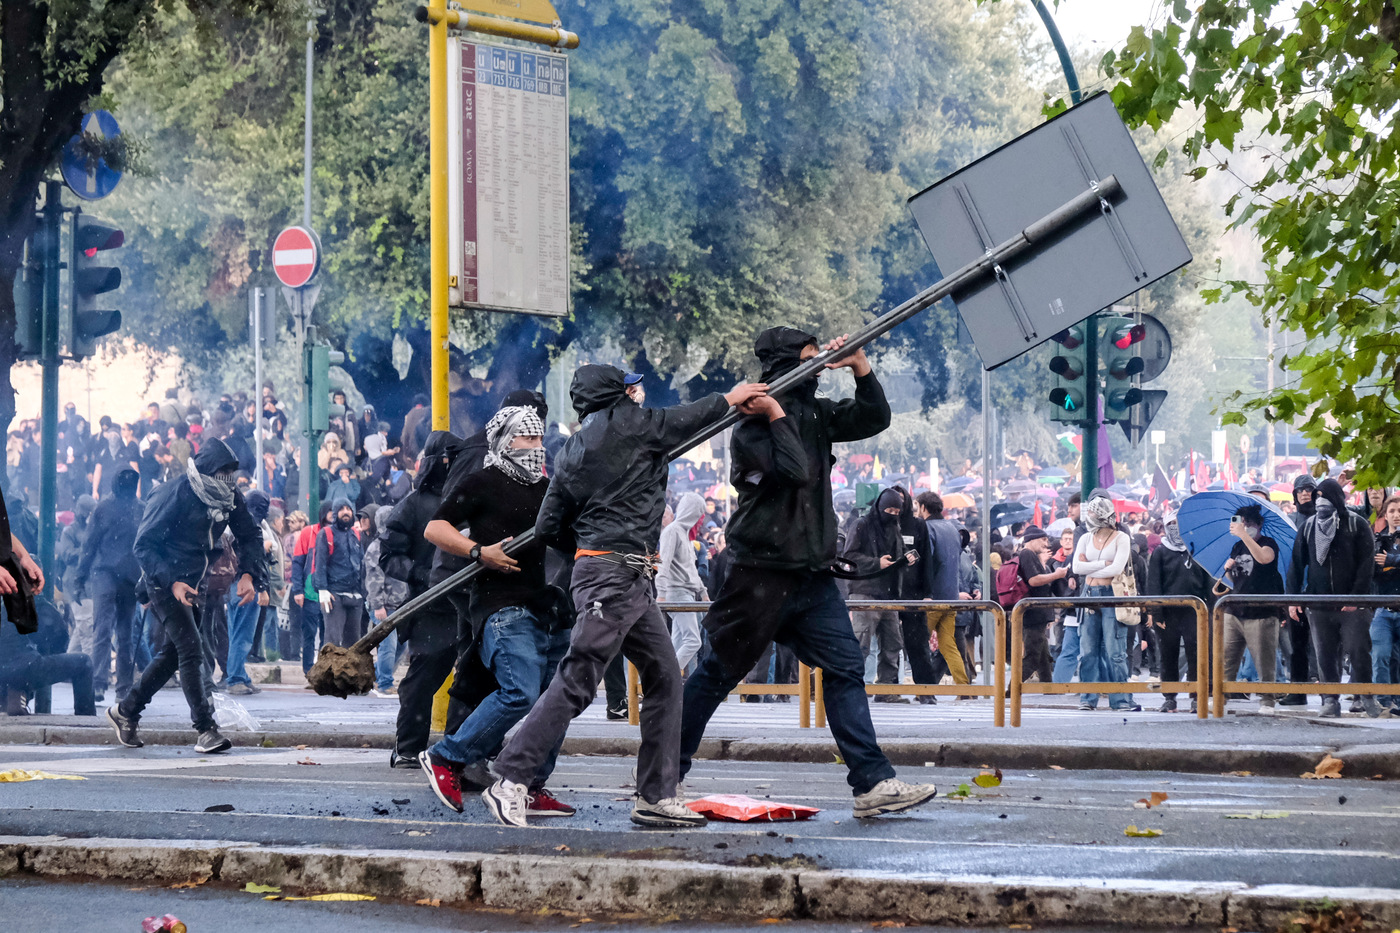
(109, 570)
(604, 504)
(783, 540)
(1301, 660)
(178, 536)
(1334, 555)
(877, 549)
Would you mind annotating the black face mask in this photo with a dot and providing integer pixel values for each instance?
(344, 523)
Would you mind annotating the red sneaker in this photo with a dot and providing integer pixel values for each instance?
(543, 803)
(443, 778)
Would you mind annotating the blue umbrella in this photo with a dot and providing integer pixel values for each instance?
(1009, 513)
(1204, 521)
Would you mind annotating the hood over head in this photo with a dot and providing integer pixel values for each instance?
(257, 504)
(214, 456)
(1332, 491)
(338, 503)
(125, 483)
(527, 397)
(596, 388)
(1305, 481)
(87, 503)
(779, 349)
(439, 444)
(689, 509)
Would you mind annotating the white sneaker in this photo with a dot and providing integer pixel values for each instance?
(671, 812)
(891, 796)
(508, 802)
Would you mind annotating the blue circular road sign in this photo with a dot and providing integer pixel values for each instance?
(90, 182)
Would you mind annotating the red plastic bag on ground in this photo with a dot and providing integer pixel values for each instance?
(736, 808)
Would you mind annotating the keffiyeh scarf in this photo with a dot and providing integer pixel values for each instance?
(524, 465)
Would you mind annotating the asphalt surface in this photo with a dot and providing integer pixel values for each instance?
(1065, 824)
(37, 906)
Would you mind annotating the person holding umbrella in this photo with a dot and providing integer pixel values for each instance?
(1252, 570)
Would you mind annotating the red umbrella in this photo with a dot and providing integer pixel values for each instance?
(1128, 506)
(858, 459)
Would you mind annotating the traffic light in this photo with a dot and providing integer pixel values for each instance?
(29, 298)
(1123, 365)
(88, 277)
(1071, 379)
(319, 358)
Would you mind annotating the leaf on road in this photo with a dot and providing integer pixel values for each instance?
(1154, 799)
(561, 848)
(1019, 926)
(1328, 767)
(1057, 767)
(16, 775)
(1239, 774)
(182, 884)
(988, 779)
(253, 888)
(963, 790)
(429, 902)
(301, 748)
(886, 924)
(1144, 833)
(308, 761)
(1258, 815)
(337, 896)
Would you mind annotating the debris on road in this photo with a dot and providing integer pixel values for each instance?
(988, 778)
(219, 808)
(1155, 799)
(1258, 815)
(16, 775)
(1143, 833)
(253, 887)
(737, 808)
(337, 896)
(166, 924)
(1328, 767)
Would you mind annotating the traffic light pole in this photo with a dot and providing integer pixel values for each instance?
(48, 447)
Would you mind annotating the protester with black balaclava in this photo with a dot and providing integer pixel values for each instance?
(67, 556)
(877, 550)
(783, 542)
(1253, 570)
(1100, 556)
(339, 576)
(1173, 571)
(173, 545)
(1300, 657)
(109, 572)
(1334, 555)
(604, 503)
(522, 638)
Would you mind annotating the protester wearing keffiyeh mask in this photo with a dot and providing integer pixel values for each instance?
(522, 464)
(1099, 513)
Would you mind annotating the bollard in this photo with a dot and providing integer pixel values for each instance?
(634, 712)
(804, 696)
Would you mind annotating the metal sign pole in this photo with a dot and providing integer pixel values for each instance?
(48, 447)
(984, 533)
(255, 302)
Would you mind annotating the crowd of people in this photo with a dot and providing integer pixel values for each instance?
(178, 555)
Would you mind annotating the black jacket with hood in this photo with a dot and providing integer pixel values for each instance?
(1305, 509)
(404, 554)
(609, 485)
(1351, 560)
(877, 535)
(111, 539)
(177, 539)
(340, 557)
(782, 470)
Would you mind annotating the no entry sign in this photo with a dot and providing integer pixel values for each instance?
(296, 256)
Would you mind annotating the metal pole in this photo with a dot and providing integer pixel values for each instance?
(985, 533)
(437, 175)
(306, 165)
(309, 476)
(1269, 455)
(48, 448)
(255, 305)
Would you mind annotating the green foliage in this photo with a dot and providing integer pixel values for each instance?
(1322, 79)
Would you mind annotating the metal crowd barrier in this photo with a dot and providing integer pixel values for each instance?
(1283, 602)
(1200, 686)
(809, 690)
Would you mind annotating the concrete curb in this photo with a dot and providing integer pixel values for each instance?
(1265, 760)
(665, 889)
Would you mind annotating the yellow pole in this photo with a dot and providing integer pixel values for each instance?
(437, 185)
(634, 709)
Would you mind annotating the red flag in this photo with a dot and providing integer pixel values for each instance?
(1227, 471)
(1035, 519)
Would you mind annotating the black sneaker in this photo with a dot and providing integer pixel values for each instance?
(399, 761)
(618, 712)
(1294, 699)
(125, 728)
(212, 740)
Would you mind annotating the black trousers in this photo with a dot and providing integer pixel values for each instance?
(615, 682)
(182, 648)
(45, 670)
(1178, 631)
(1036, 656)
(914, 627)
(113, 614)
(1300, 640)
(432, 655)
(1338, 635)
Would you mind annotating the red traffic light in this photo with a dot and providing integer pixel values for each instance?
(1125, 337)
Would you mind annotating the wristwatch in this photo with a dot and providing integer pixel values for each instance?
(475, 552)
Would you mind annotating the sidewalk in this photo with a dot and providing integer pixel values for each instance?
(952, 733)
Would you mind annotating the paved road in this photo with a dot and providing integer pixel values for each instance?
(1037, 823)
(65, 907)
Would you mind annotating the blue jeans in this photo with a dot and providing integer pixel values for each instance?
(386, 658)
(523, 655)
(813, 621)
(242, 623)
(1385, 633)
(1104, 651)
(310, 631)
(1068, 660)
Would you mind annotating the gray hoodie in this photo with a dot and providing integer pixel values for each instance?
(678, 574)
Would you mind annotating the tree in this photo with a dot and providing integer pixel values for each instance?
(53, 59)
(1323, 81)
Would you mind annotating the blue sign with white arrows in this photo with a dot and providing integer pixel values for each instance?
(91, 182)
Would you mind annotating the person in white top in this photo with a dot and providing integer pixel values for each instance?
(1101, 555)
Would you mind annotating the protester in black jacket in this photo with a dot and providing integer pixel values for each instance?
(1172, 571)
(1334, 555)
(178, 536)
(339, 576)
(783, 539)
(605, 502)
(880, 556)
(109, 572)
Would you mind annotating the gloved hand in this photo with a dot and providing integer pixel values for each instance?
(325, 602)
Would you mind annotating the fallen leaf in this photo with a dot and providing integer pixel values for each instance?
(1328, 767)
(561, 848)
(1142, 833)
(308, 761)
(772, 920)
(1057, 767)
(268, 743)
(963, 790)
(429, 902)
(1155, 799)
(1239, 774)
(988, 779)
(886, 924)
(337, 896)
(1019, 926)
(253, 888)
(184, 884)
(1258, 815)
(301, 748)
(16, 775)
